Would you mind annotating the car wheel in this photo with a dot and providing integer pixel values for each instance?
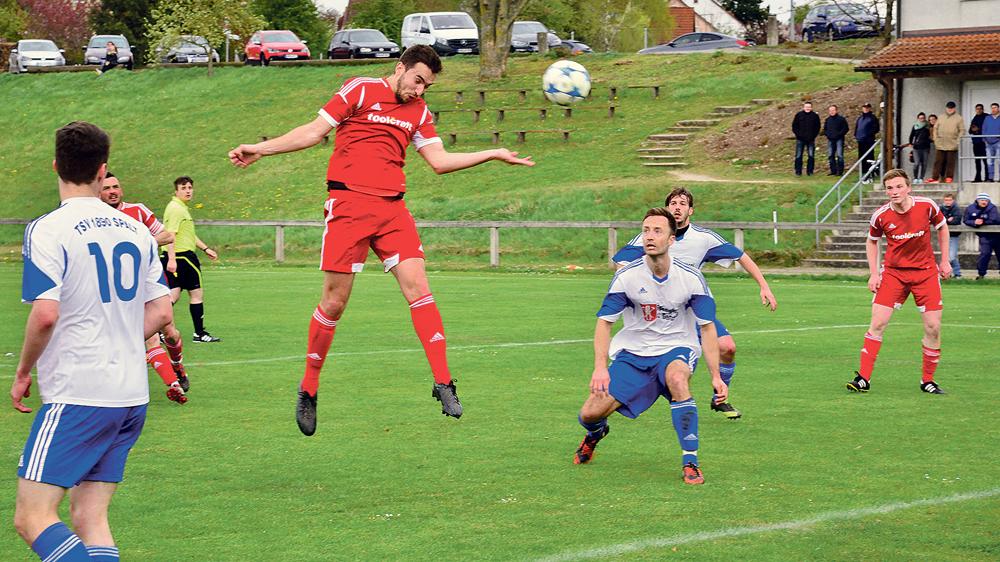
(128, 65)
(809, 36)
(263, 60)
(830, 33)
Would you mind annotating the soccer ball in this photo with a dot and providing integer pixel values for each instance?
(566, 82)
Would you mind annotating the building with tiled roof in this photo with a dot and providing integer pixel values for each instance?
(947, 50)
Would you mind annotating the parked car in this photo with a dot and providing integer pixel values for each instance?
(97, 50)
(841, 21)
(450, 33)
(701, 41)
(524, 37)
(189, 48)
(361, 44)
(266, 46)
(576, 47)
(34, 52)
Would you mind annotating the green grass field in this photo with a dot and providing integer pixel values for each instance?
(811, 472)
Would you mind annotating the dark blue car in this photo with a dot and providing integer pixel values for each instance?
(840, 21)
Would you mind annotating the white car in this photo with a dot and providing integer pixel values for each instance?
(35, 52)
(450, 33)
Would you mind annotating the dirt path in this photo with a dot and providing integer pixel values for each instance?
(682, 175)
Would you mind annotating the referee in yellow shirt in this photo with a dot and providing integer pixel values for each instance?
(181, 260)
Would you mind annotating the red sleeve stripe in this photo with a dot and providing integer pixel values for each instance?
(876, 214)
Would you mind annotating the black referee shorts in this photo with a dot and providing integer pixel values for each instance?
(188, 274)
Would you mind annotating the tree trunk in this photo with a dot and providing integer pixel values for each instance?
(887, 31)
(496, 19)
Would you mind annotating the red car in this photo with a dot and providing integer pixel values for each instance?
(266, 46)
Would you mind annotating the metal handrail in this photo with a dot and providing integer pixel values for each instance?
(836, 188)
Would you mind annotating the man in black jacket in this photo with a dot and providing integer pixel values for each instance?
(953, 215)
(835, 129)
(979, 143)
(805, 126)
(865, 129)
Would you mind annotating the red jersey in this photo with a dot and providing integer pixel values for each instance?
(908, 234)
(373, 131)
(141, 213)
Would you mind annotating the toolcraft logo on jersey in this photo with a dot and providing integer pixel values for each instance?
(390, 121)
(906, 235)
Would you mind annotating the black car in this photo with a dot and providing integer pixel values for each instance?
(524, 37)
(576, 47)
(361, 44)
(840, 21)
(188, 48)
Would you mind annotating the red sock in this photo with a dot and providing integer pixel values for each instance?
(176, 350)
(430, 331)
(869, 353)
(157, 358)
(321, 329)
(931, 358)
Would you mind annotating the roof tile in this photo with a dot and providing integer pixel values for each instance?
(936, 50)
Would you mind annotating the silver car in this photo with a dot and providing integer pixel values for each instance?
(698, 41)
(189, 48)
(35, 52)
(97, 50)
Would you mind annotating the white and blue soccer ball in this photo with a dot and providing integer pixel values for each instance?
(566, 82)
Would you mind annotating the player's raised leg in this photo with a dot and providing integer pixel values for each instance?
(336, 291)
(158, 359)
(727, 367)
(89, 503)
(881, 315)
(412, 278)
(594, 419)
(174, 343)
(684, 414)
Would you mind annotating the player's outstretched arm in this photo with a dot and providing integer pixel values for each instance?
(710, 350)
(871, 252)
(943, 243)
(442, 161)
(298, 138)
(37, 333)
(158, 313)
(766, 296)
(600, 380)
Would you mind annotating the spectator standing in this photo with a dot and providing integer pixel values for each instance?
(835, 128)
(991, 128)
(984, 213)
(953, 215)
(947, 131)
(920, 142)
(978, 144)
(805, 126)
(110, 58)
(865, 130)
(180, 260)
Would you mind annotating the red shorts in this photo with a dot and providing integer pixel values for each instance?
(358, 221)
(897, 284)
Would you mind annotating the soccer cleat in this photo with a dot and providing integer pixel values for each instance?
(205, 337)
(445, 394)
(859, 384)
(585, 452)
(692, 474)
(931, 387)
(727, 410)
(182, 377)
(305, 412)
(176, 394)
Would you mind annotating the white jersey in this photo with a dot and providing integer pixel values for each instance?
(102, 268)
(695, 246)
(658, 314)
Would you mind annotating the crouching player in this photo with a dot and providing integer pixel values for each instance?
(663, 301)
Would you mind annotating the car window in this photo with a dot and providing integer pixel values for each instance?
(687, 39)
(255, 38)
(453, 21)
(37, 46)
(425, 23)
(848, 10)
(710, 37)
(280, 37)
(368, 36)
(101, 40)
(526, 27)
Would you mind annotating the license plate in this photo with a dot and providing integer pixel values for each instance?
(465, 50)
(291, 56)
(382, 55)
(199, 59)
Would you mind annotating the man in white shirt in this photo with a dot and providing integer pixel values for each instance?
(97, 291)
(661, 300)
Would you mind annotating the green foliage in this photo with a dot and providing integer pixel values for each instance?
(207, 18)
(747, 11)
(298, 16)
(125, 17)
(617, 25)
(383, 15)
(13, 20)
(558, 15)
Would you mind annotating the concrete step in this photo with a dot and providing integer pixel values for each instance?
(731, 109)
(841, 254)
(665, 164)
(660, 157)
(697, 122)
(762, 101)
(844, 246)
(832, 262)
(668, 137)
(687, 128)
(662, 150)
(720, 114)
(858, 238)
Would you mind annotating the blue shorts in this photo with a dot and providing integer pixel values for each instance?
(637, 381)
(720, 329)
(70, 443)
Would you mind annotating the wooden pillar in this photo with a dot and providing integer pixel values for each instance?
(494, 246)
(738, 242)
(612, 245)
(888, 121)
(279, 244)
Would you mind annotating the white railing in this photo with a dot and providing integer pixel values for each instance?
(843, 196)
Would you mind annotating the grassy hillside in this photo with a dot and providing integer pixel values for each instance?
(166, 123)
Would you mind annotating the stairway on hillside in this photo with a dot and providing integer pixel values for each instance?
(845, 247)
(665, 150)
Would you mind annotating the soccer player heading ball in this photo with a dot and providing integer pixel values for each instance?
(906, 222)
(664, 302)
(376, 119)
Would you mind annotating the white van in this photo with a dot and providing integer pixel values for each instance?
(450, 33)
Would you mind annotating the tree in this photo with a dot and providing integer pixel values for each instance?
(496, 20)
(383, 15)
(125, 17)
(210, 19)
(752, 15)
(66, 22)
(299, 16)
(618, 24)
(13, 20)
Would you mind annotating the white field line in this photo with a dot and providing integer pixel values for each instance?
(525, 344)
(645, 544)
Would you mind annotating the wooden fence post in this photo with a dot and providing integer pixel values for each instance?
(612, 245)
(494, 246)
(739, 243)
(279, 244)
